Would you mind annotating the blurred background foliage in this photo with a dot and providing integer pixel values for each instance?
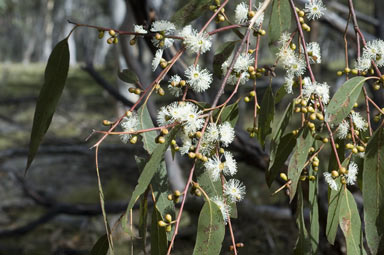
(54, 210)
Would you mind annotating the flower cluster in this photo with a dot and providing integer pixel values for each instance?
(240, 68)
(372, 52)
(163, 28)
(321, 90)
(194, 41)
(243, 15)
(185, 113)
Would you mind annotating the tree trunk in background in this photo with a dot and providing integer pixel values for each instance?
(68, 7)
(48, 29)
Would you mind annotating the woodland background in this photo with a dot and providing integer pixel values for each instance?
(55, 209)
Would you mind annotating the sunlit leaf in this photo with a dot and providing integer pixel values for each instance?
(210, 230)
(279, 21)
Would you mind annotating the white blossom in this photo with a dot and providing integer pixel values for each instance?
(214, 166)
(288, 83)
(363, 64)
(194, 41)
(351, 176)
(234, 190)
(241, 13)
(166, 28)
(358, 121)
(140, 29)
(242, 62)
(156, 60)
(319, 89)
(173, 85)
(331, 182)
(224, 208)
(129, 124)
(314, 9)
(342, 130)
(198, 79)
(227, 133)
(296, 67)
(230, 165)
(313, 49)
(212, 133)
(284, 39)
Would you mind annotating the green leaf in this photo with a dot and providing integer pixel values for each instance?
(314, 213)
(296, 163)
(54, 81)
(266, 114)
(159, 243)
(143, 219)
(222, 54)
(161, 190)
(101, 246)
(280, 21)
(128, 76)
(281, 153)
(333, 214)
(146, 122)
(373, 192)
(350, 224)
(303, 243)
(148, 173)
(210, 230)
(230, 113)
(190, 11)
(280, 94)
(345, 97)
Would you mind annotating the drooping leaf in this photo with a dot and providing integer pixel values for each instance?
(373, 192)
(280, 94)
(266, 114)
(159, 243)
(160, 191)
(143, 219)
(55, 76)
(345, 97)
(281, 153)
(190, 11)
(350, 224)
(148, 173)
(146, 122)
(280, 21)
(128, 76)
(101, 246)
(222, 54)
(333, 214)
(303, 243)
(314, 228)
(210, 230)
(299, 157)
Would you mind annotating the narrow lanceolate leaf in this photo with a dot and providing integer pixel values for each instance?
(101, 246)
(314, 228)
(161, 190)
(345, 97)
(334, 204)
(280, 21)
(148, 173)
(210, 230)
(373, 192)
(159, 243)
(190, 11)
(303, 245)
(266, 114)
(350, 224)
(54, 81)
(299, 157)
(143, 219)
(146, 122)
(222, 54)
(281, 153)
(128, 76)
